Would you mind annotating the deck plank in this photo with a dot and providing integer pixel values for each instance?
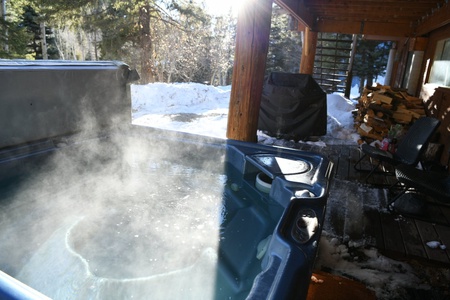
(354, 155)
(435, 213)
(393, 241)
(372, 229)
(428, 233)
(446, 212)
(444, 235)
(411, 237)
(336, 215)
(343, 167)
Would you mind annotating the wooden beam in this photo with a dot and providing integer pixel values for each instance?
(369, 2)
(252, 44)
(298, 10)
(418, 44)
(348, 82)
(370, 28)
(383, 38)
(435, 21)
(308, 52)
(404, 6)
(379, 9)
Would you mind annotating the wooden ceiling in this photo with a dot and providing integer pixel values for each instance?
(396, 18)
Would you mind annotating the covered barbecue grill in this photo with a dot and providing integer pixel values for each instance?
(293, 106)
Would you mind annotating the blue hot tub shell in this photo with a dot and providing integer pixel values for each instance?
(289, 259)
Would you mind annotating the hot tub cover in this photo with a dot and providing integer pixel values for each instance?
(41, 99)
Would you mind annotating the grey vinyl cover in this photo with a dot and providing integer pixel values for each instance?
(42, 99)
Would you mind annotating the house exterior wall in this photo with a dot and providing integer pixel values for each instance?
(435, 36)
(436, 97)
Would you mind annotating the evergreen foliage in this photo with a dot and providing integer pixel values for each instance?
(165, 40)
(13, 40)
(285, 46)
(370, 60)
(30, 21)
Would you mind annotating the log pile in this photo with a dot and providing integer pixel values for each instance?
(380, 109)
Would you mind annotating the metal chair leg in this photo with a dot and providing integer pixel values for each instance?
(366, 180)
(391, 202)
(359, 162)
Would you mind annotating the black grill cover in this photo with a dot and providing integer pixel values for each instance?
(293, 106)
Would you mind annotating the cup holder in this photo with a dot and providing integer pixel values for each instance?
(263, 183)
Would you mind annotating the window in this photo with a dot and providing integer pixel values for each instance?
(445, 54)
(440, 71)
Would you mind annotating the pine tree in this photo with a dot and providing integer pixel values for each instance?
(370, 61)
(285, 44)
(13, 40)
(31, 21)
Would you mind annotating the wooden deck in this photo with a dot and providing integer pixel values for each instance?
(357, 211)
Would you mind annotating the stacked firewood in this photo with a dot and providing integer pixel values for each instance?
(381, 111)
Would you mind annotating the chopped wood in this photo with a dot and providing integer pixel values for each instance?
(402, 118)
(365, 128)
(377, 97)
(375, 121)
(408, 112)
(382, 107)
(419, 111)
(369, 135)
(410, 98)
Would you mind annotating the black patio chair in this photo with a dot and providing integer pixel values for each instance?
(428, 183)
(409, 149)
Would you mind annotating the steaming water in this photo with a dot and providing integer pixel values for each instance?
(144, 228)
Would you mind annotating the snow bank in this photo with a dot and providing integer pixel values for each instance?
(340, 118)
(203, 109)
(166, 98)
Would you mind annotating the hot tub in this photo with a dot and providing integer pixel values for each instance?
(145, 216)
(128, 212)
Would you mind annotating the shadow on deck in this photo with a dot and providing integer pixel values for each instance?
(357, 212)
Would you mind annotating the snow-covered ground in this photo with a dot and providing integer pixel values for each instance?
(203, 109)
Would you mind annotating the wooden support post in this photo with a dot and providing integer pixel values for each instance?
(252, 44)
(348, 82)
(390, 64)
(308, 52)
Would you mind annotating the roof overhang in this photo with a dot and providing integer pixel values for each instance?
(393, 18)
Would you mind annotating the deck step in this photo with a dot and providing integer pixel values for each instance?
(328, 286)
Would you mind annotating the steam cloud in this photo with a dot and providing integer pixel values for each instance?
(116, 216)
